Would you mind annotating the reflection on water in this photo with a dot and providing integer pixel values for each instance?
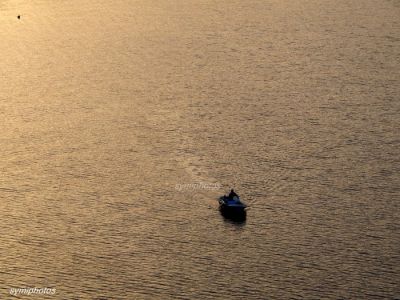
(107, 108)
(238, 220)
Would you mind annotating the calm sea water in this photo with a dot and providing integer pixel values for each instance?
(112, 111)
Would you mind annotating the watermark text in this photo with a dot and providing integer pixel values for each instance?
(197, 186)
(32, 291)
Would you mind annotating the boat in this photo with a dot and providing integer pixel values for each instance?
(232, 208)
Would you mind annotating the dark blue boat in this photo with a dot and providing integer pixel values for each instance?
(232, 208)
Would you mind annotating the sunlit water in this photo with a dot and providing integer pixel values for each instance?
(111, 109)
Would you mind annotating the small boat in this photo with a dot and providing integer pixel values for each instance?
(232, 208)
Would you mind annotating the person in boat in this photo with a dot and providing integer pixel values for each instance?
(232, 194)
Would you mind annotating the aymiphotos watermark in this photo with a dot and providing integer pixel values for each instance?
(197, 186)
(32, 291)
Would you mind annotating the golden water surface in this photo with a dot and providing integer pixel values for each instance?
(119, 120)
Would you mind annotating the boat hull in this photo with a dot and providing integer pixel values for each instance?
(235, 210)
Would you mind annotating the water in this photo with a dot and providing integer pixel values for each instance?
(107, 107)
